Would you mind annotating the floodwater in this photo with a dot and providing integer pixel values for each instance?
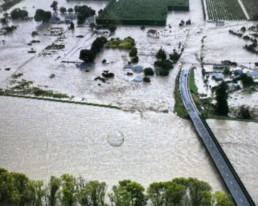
(43, 138)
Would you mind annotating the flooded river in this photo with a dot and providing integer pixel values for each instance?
(43, 138)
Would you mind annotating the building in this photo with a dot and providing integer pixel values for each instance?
(233, 87)
(253, 74)
(218, 76)
(219, 66)
(153, 33)
(238, 72)
(56, 31)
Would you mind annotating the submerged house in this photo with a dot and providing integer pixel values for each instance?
(218, 76)
(219, 66)
(153, 33)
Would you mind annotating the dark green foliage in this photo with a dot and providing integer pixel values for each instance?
(128, 193)
(62, 10)
(92, 25)
(161, 54)
(89, 55)
(227, 71)
(43, 16)
(54, 5)
(4, 20)
(70, 10)
(146, 79)
(139, 12)
(133, 52)
(165, 65)
(174, 56)
(19, 14)
(244, 112)
(111, 27)
(148, 71)
(83, 12)
(71, 26)
(221, 97)
(9, 29)
(246, 80)
(135, 59)
(163, 72)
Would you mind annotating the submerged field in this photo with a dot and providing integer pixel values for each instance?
(224, 10)
(252, 8)
(140, 12)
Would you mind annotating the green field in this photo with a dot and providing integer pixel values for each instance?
(251, 7)
(140, 12)
(224, 10)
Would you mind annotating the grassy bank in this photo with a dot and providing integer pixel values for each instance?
(58, 100)
(193, 87)
(179, 107)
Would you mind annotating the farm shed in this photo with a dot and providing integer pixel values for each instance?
(153, 33)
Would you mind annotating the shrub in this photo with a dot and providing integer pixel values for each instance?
(42, 15)
(174, 56)
(163, 72)
(62, 10)
(146, 79)
(148, 71)
(133, 52)
(165, 65)
(19, 14)
(161, 54)
(135, 59)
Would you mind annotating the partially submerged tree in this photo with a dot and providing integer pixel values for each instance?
(161, 54)
(19, 14)
(221, 97)
(42, 16)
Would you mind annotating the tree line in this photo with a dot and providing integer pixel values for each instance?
(18, 189)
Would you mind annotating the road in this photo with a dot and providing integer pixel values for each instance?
(226, 170)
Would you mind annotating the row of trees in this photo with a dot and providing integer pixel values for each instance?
(17, 189)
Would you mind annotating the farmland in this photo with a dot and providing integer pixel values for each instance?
(224, 10)
(143, 12)
(252, 8)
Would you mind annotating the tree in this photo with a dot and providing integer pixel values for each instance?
(38, 192)
(227, 71)
(87, 55)
(54, 5)
(53, 187)
(148, 71)
(83, 13)
(133, 52)
(161, 54)
(244, 112)
(70, 10)
(166, 193)
(135, 59)
(222, 199)
(62, 10)
(174, 56)
(71, 26)
(128, 193)
(91, 193)
(221, 97)
(92, 25)
(67, 194)
(42, 15)
(246, 80)
(19, 14)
